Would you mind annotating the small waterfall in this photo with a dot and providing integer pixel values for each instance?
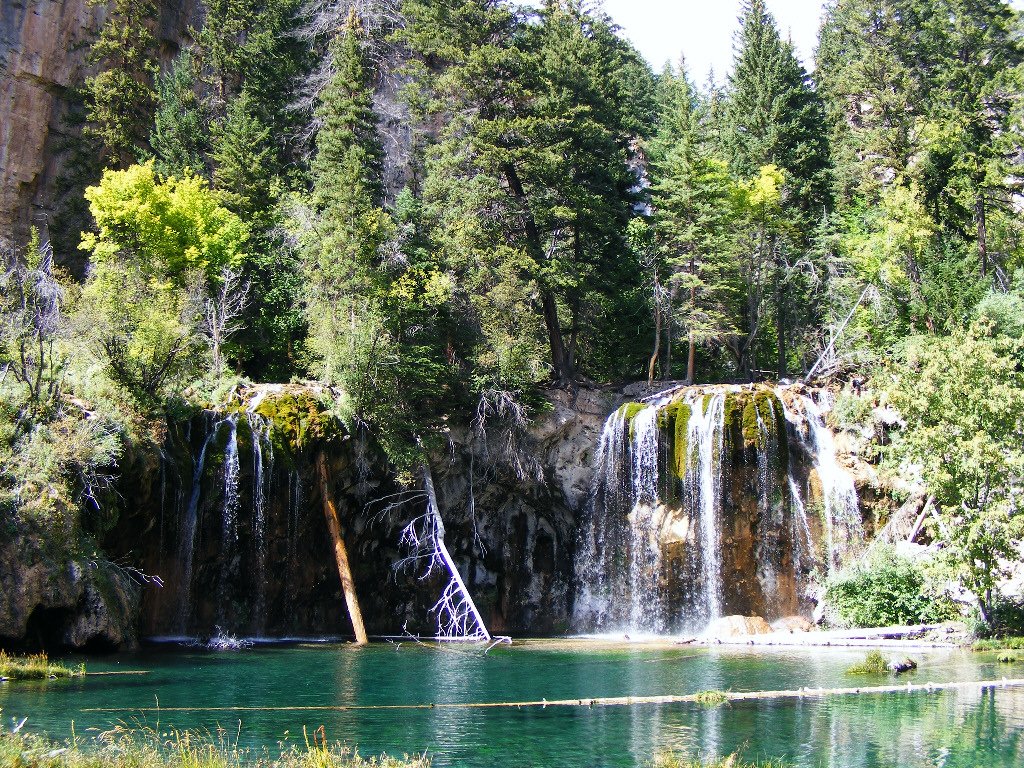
(187, 546)
(703, 482)
(262, 471)
(229, 516)
(844, 530)
(645, 555)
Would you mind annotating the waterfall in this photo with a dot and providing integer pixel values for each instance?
(229, 516)
(696, 509)
(645, 556)
(262, 471)
(186, 549)
(703, 481)
(844, 530)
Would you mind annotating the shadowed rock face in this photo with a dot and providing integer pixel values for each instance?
(54, 602)
(510, 517)
(44, 46)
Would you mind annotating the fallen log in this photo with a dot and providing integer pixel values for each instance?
(348, 585)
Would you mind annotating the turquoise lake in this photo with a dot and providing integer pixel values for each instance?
(197, 689)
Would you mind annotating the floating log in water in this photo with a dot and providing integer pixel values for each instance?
(619, 701)
(348, 584)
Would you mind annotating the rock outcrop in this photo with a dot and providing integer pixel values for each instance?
(56, 602)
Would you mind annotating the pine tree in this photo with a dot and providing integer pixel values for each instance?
(180, 125)
(693, 214)
(242, 157)
(348, 332)
(119, 99)
(775, 119)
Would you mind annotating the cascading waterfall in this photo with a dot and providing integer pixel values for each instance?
(645, 555)
(262, 471)
(844, 529)
(187, 547)
(703, 481)
(696, 509)
(229, 515)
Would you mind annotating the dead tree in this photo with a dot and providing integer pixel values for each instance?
(457, 614)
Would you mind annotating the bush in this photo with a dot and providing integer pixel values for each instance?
(884, 590)
(874, 664)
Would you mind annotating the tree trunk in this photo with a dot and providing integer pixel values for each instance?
(657, 338)
(979, 219)
(340, 553)
(691, 360)
(564, 370)
(780, 300)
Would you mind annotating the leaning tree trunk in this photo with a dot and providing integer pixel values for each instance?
(348, 585)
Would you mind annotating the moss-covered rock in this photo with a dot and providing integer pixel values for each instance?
(299, 419)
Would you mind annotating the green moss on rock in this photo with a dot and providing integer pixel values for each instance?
(298, 420)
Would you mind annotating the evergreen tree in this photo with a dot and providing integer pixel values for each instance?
(119, 98)
(693, 214)
(774, 118)
(242, 157)
(180, 125)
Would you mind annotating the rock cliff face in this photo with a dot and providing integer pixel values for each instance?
(54, 602)
(43, 57)
(249, 551)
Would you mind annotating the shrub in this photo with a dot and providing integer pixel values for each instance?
(884, 590)
(711, 698)
(874, 664)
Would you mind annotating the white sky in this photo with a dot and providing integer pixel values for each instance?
(702, 30)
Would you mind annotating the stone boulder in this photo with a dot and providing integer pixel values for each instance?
(792, 624)
(738, 626)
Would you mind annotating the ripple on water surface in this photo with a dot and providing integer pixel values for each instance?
(266, 687)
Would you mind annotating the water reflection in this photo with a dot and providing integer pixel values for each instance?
(952, 729)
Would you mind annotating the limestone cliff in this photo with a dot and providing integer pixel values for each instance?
(43, 57)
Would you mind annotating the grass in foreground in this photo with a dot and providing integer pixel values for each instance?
(1000, 644)
(145, 748)
(674, 760)
(35, 667)
(874, 664)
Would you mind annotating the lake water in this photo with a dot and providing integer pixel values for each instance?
(953, 729)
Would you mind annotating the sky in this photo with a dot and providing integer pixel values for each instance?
(703, 30)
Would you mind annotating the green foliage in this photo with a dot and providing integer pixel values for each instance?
(167, 228)
(180, 126)
(144, 747)
(1001, 643)
(675, 760)
(874, 664)
(886, 590)
(962, 399)
(51, 451)
(158, 246)
(711, 698)
(35, 667)
(120, 97)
